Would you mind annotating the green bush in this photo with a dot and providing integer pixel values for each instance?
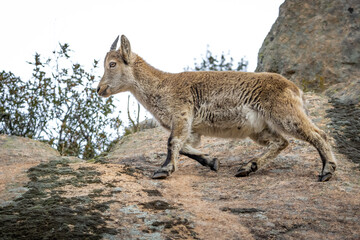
(59, 104)
(213, 63)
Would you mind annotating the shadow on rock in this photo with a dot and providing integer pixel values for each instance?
(42, 211)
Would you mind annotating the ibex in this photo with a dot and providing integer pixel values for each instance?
(262, 106)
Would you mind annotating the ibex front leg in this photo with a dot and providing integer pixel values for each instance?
(203, 159)
(179, 133)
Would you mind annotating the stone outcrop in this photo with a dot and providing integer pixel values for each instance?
(47, 196)
(316, 44)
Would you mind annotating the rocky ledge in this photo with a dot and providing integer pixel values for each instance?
(47, 196)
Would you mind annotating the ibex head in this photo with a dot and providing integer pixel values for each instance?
(118, 74)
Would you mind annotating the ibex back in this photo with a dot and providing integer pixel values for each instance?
(262, 106)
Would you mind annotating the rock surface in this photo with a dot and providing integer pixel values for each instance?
(17, 155)
(345, 127)
(68, 198)
(316, 44)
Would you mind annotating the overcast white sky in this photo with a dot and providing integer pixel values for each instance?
(167, 34)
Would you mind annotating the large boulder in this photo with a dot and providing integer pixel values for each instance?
(316, 44)
(47, 196)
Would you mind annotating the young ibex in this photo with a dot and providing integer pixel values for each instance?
(262, 106)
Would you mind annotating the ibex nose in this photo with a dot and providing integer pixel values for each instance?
(101, 90)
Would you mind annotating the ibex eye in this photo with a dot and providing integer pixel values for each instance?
(112, 64)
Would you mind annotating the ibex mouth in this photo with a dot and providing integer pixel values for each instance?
(102, 91)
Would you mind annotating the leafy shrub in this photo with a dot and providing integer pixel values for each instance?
(213, 63)
(59, 104)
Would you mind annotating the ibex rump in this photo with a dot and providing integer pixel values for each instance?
(262, 106)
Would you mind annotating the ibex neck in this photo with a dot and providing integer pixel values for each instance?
(149, 86)
(146, 74)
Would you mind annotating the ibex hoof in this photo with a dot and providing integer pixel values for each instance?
(215, 165)
(245, 171)
(242, 173)
(325, 177)
(162, 173)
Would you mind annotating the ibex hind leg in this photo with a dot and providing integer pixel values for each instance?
(301, 127)
(275, 144)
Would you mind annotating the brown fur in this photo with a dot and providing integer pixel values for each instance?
(262, 106)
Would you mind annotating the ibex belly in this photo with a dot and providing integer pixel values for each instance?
(237, 122)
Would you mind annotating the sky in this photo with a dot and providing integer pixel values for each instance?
(169, 35)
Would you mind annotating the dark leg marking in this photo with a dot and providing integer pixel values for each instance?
(213, 164)
(166, 168)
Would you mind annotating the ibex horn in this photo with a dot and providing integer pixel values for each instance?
(114, 45)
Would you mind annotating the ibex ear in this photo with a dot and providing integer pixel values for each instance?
(125, 49)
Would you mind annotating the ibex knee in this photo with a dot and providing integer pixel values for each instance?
(175, 143)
